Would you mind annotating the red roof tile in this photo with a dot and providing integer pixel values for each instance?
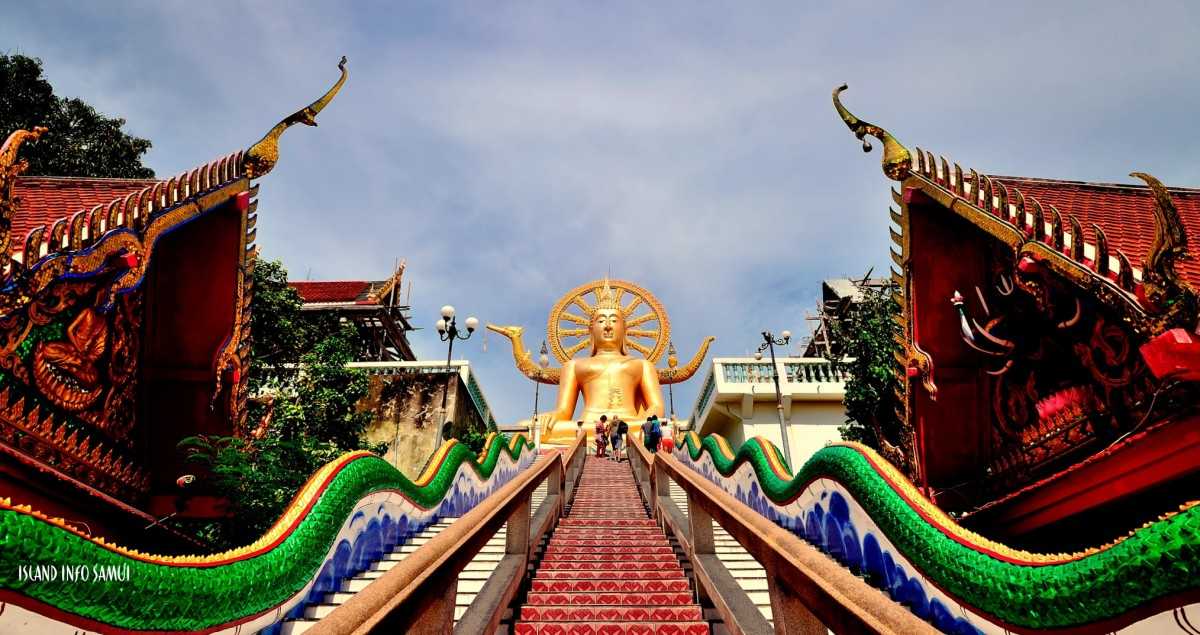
(1124, 212)
(45, 199)
(332, 290)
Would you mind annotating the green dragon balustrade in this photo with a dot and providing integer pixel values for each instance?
(56, 579)
(857, 507)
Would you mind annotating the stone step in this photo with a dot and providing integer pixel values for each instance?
(319, 611)
(601, 574)
(582, 613)
(616, 544)
(608, 567)
(296, 627)
(615, 568)
(612, 628)
(594, 586)
(610, 550)
(743, 565)
(669, 556)
(656, 598)
(616, 524)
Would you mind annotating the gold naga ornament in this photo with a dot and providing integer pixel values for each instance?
(263, 155)
(595, 317)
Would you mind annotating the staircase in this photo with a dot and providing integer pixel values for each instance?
(470, 580)
(608, 567)
(749, 574)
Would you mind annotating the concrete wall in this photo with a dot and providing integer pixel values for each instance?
(408, 415)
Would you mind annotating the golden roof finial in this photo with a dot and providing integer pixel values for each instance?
(262, 156)
(896, 159)
(10, 168)
(606, 298)
(1163, 287)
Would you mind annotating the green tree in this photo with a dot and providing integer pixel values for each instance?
(80, 142)
(281, 333)
(866, 335)
(299, 374)
(330, 393)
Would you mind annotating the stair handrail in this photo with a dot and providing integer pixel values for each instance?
(642, 461)
(418, 594)
(573, 463)
(809, 591)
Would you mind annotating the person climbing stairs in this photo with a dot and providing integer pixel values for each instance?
(608, 567)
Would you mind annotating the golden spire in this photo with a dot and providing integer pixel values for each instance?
(896, 159)
(606, 298)
(262, 156)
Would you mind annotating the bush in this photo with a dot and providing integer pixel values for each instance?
(867, 335)
(312, 410)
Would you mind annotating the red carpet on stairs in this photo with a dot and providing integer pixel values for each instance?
(609, 568)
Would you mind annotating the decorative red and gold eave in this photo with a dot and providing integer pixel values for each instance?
(76, 258)
(1094, 234)
(1104, 270)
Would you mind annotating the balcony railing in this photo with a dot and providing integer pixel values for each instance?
(795, 371)
(797, 375)
(815, 371)
(743, 373)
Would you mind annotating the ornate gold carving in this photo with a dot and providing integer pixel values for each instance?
(605, 294)
(67, 372)
(227, 357)
(672, 375)
(1164, 299)
(262, 156)
(79, 403)
(522, 356)
(1167, 296)
(10, 169)
(896, 159)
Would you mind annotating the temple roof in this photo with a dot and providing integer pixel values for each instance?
(1124, 212)
(46, 199)
(338, 291)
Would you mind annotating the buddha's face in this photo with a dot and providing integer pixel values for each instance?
(608, 330)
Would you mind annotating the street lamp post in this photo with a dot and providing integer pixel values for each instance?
(543, 362)
(447, 329)
(769, 343)
(672, 362)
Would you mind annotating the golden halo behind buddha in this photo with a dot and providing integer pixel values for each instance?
(647, 329)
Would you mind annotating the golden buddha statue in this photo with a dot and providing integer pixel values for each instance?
(612, 381)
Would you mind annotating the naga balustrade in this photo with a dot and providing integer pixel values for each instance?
(417, 595)
(809, 591)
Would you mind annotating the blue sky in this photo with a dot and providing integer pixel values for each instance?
(513, 151)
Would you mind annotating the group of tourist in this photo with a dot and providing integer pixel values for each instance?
(614, 434)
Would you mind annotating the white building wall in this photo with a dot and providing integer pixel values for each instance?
(812, 425)
(738, 402)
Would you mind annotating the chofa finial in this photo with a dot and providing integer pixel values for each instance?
(10, 168)
(896, 159)
(1162, 285)
(262, 156)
